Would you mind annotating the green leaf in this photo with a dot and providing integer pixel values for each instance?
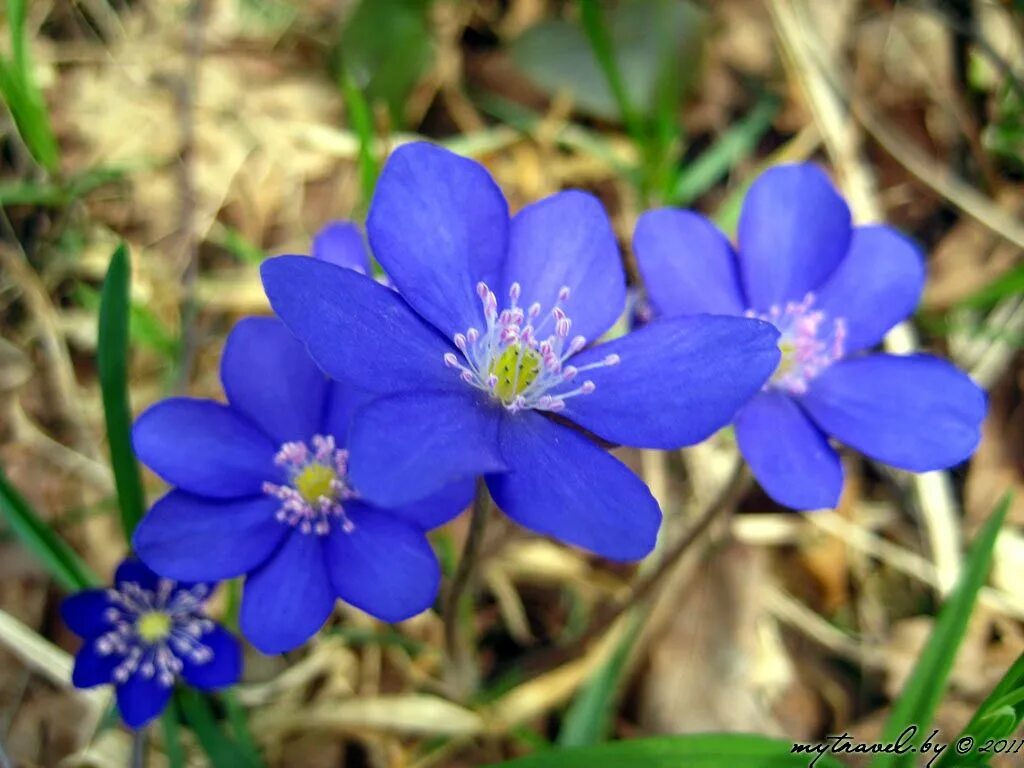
(1009, 284)
(362, 121)
(112, 361)
(735, 145)
(589, 717)
(53, 552)
(172, 739)
(924, 688)
(385, 48)
(56, 193)
(22, 95)
(604, 51)
(655, 46)
(240, 726)
(223, 751)
(999, 716)
(705, 750)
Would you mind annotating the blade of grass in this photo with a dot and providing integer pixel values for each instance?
(698, 750)
(222, 750)
(601, 43)
(924, 688)
(240, 725)
(172, 739)
(66, 567)
(1009, 284)
(588, 718)
(734, 145)
(22, 95)
(1006, 693)
(112, 360)
(361, 120)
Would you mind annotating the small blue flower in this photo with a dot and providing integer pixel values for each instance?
(144, 634)
(482, 359)
(263, 489)
(833, 290)
(342, 243)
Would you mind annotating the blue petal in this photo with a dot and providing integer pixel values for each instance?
(793, 232)
(192, 538)
(341, 243)
(438, 225)
(222, 669)
(687, 264)
(92, 668)
(141, 699)
(384, 567)
(269, 377)
(407, 447)
(567, 240)
(134, 571)
(916, 412)
(290, 597)
(438, 508)
(205, 448)
(342, 403)
(564, 486)
(84, 612)
(359, 332)
(678, 380)
(877, 285)
(789, 456)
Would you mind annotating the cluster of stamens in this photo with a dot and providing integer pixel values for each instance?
(152, 631)
(316, 491)
(518, 358)
(808, 341)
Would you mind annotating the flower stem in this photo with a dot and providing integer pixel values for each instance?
(138, 759)
(457, 633)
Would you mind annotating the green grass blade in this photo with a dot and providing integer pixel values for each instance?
(220, 748)
(601, 43)
(22, 95)
(734, 145)
(704, 750)
(172, 739)
(361, 120)
(112, 360)
(589, 717)
(1008, 693)
(924, 689)
(240, 725)
(1009, 284)
(53, 552)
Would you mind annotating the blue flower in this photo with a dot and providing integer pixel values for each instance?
(833, 290)
(341, 243)
(144, 634)
(483, 363)
(263, 490)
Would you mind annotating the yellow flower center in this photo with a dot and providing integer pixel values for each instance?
(153, 626)
(787, 348)
(516, 368)
(316, 482)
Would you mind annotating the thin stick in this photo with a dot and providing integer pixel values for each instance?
(457, 645)
(186, 109)
(726, 500)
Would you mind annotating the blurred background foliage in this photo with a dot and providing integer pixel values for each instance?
(208, 134)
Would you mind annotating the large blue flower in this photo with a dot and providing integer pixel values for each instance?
(145, 633)
(482, 358)
(833, 291)
(263, 489)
